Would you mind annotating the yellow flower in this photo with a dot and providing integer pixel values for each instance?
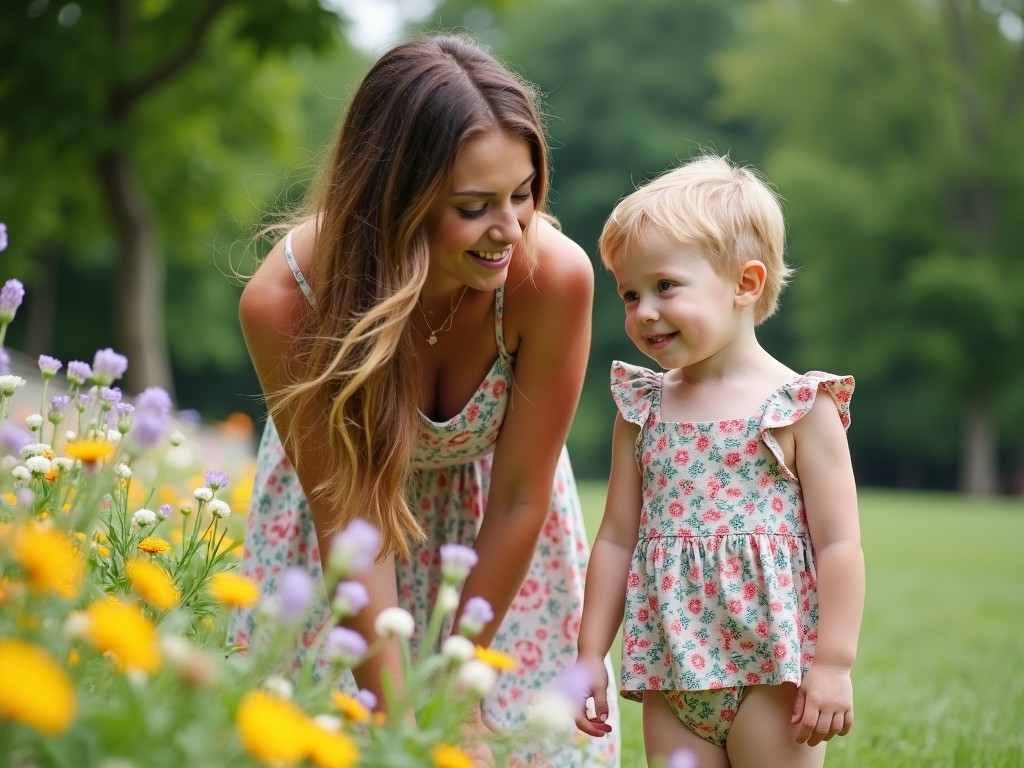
(154, 545)
(233, 590)
(50, 559)
(89, 451)
(123, 630)
(272, 729)
(495, 659)
(153, 583)
(34, 690)
(11, 499)
(330, 749)
(447, 756)
(103, 551)
(349, 707)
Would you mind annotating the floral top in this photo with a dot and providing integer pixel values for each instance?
(722, 586)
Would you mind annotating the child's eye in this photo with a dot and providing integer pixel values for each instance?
(472, 213)
(665, 285)
(629, 296)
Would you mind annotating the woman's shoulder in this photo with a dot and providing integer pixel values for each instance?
(562, 268)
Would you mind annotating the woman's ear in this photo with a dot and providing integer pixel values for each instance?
(750, 286)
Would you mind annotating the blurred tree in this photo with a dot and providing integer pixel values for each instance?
(896, 127)
(126, 128)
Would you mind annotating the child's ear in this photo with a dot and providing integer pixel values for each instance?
(750, 286)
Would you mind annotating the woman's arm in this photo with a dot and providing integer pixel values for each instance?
(825, 701)
(549, 314)
(271, 310)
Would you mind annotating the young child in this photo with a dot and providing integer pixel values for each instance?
(730, 544)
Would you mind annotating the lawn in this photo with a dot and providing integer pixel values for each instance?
(943, 625)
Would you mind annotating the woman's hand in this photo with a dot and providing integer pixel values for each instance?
(474, 739)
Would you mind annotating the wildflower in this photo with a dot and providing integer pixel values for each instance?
(682, 758)
(152, 582)
(13, 438)
(123, 417)
(202, 494)
(367, 698)
(11, 296)
(448, 756)
(552, 712)
(123, 631)
(154, 545)
(271, 729)
(194, 665)
(344, 646)
(475, 615)
(219, 509)
(48, 366)
(176, 438)
(477, 677)
(38, 465)
(58, 404)
(34, 421)
(502, 662)
(165, 511)
(123, 471)
(296, 593)
(5, 361)
(349, 707)
(330, 749)
(279, 686)
(447, 598)
(78, 373)
(353, 549)
(143, 518)
(21, 474)
(350, 597)
(233, 590)
(216, 479)
(107, 367)
(152, 417)
(3, 237)
(9, 383)
(458, 648)
(394, 622)
(34, 690)
(456, 562)
(89, 451)
(50, 559)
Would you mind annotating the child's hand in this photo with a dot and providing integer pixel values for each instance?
(474, 744)
(824, 704)
(596, 677)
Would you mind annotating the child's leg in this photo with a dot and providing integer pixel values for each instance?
(664, 733)
(762, 735)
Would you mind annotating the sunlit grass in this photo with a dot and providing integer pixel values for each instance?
(940, 676)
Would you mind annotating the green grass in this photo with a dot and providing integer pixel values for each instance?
(939, 680)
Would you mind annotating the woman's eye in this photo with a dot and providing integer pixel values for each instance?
(472, 213)
(522, 197)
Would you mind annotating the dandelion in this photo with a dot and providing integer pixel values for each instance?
(349, 707)
(89, 451)
(107, 367)
(456, 562)
(152, 582)
(123, 631)
(394, 622)
(448, 756)
(34, 690)
(502, 662)
(154, 545)
(271, 729)
(51, 560)
(233, 590)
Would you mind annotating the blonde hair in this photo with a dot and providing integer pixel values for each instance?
(728, 210)
(392, 160)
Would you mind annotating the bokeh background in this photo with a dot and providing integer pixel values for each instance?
(144, 142)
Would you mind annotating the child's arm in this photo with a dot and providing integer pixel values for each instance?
(605, 597)
(824, 703)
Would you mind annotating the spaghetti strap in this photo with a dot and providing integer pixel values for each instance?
(499, 321)
(297, 273)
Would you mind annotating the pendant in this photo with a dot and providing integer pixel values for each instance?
(432, 339)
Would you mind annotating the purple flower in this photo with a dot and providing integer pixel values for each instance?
(58, 404)
(353, 549)
(350, 597)
(147, 429)
(345, 646)
(216, 479)
(682, 758)
(11, 296)
(165, 511)
(13, 438)
(367, 698)
(110, 395)
(154, 399)
(3, 237)
(108, 366)
(475, 615)
(48, 366)
(78, 372)
(296, 594)
(456, 562)
(5, 362)
(83, 400)
(574, 682)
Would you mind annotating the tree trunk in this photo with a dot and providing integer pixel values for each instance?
(979, 475)
(139, 290)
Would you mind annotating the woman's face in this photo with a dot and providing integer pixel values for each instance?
(473, 229)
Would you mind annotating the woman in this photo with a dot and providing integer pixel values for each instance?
(421, 338)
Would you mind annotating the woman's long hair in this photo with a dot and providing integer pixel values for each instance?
(391, 161)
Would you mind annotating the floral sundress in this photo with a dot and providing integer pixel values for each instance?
(449, 494)
(722, 585)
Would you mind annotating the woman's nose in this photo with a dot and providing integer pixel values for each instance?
(506, 228)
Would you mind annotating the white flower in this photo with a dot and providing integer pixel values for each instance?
(34, 449)
(76, 625)
(202, 493)
(113, 436)
(34, 421)
(123, 471)
(176, 438)
(38, 465)
(394, 622)
(64, 463)
(552, 713)
(9, 383)
(447, 598)
(219, 509)
(478, 677)
(458, 648)
(278, 686)
(8, 463)
(21, 474)
(143, 518)
(71, 435)
(329, 723)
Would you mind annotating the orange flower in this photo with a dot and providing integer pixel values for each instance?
(233, 590)
(89, 451)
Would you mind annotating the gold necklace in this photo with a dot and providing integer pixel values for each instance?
(432, 338)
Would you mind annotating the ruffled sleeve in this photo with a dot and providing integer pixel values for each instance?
(792, 402)
(636, 391)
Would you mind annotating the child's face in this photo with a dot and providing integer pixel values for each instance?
(679, 311)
